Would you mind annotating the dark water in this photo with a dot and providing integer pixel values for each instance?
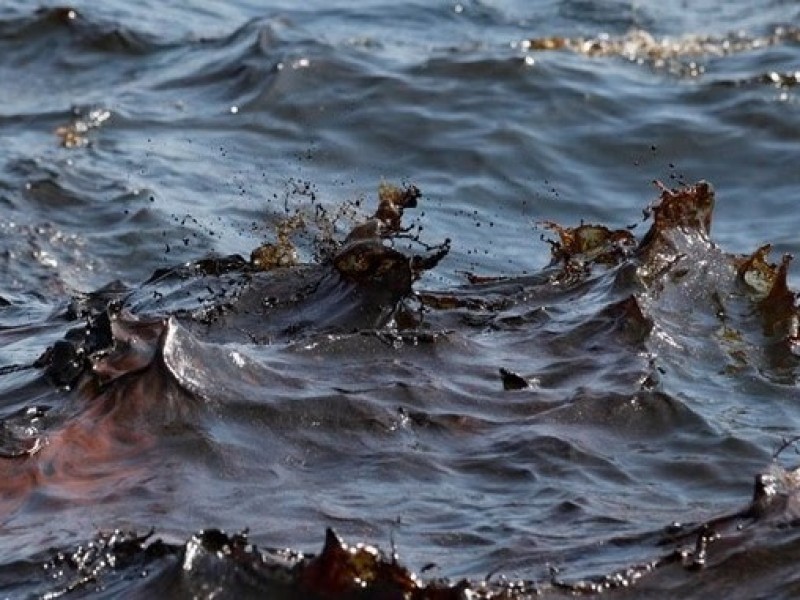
(656, 384)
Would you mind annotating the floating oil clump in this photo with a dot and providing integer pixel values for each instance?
(680, 55)
(75, 134)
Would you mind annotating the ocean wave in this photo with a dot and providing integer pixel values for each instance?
(628, 322)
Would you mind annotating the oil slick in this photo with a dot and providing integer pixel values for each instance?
(139, 364)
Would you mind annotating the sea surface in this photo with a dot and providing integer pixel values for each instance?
(542, 416)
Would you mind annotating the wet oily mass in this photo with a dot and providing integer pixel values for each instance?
(135, 365)
(213, 561)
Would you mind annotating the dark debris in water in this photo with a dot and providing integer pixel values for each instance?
(513, 381)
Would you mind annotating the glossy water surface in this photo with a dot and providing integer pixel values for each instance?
(139, 137)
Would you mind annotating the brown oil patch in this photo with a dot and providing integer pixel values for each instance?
(74, 134)
(690, 209)
(590, 244)
(367, 258)
(80, 462)
(757, 273)
(681, 55)
(387, 220)
(342, 569)
(320, 230)
(282, 253)
(125, 399)
(769, 287)
(687, 207)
